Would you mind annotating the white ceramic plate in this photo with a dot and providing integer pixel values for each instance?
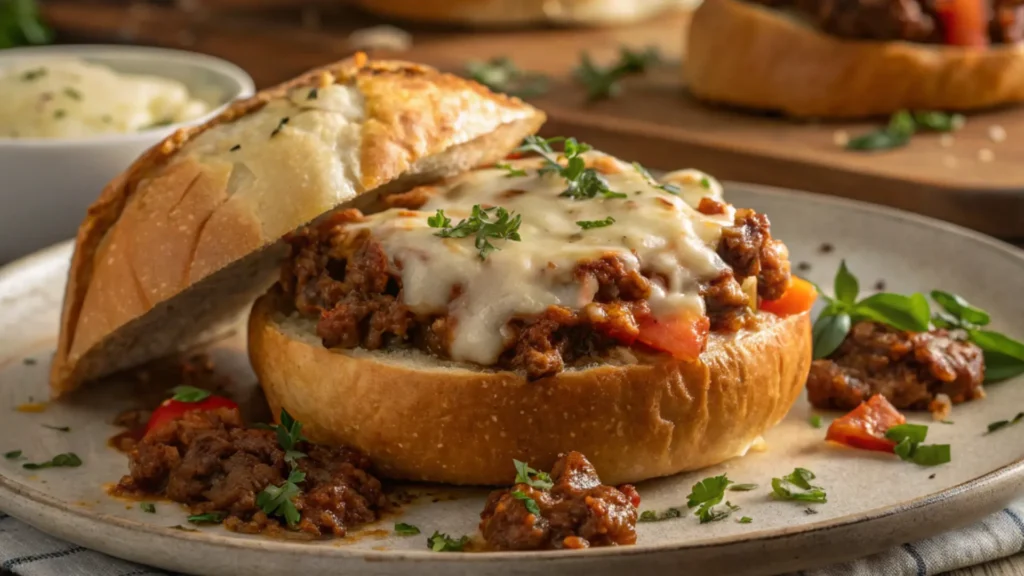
(875, 501)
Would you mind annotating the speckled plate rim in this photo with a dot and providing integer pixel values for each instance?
(1006, 482)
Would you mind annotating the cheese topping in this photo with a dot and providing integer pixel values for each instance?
(71, 98)
(653, 231)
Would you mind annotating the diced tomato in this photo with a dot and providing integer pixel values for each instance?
(865, 426)
(514, 155)
(798, 297)
(683, 337)
(964, 22)
(173, 410)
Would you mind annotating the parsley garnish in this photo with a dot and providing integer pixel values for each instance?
(189, 394)
(588, 224)
(72, 93)
(670, 188)
(280, 126)
(1004, 423)
(33, 74)
(529, 503)
(797, 486)
(510, 171)
(235, 148)
(815, 421)
(313, 93)
(502, 75)
(602, 83)
(403, 529)
(13, 454)
(439, 542)
(67, 460)
(707, 494)
(60, 113)
(289, 434)
(902, 125)
(505, 226)
(742, 487)
(745, 520)
(277, 500)
(908, 438)
(532, 478)
(148, 507)
(652, 516)
(208, 518)
(582, 183)
(57, 428)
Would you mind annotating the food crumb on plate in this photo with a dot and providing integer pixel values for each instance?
(996, 133)
(841, 138)
(986, 155)
(946, 140)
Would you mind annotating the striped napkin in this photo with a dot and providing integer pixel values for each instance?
(26, 551)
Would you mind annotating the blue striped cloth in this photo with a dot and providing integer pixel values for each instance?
(26, 551)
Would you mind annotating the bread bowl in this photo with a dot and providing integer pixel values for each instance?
(443, 358)
(807, 61)
(187, 236)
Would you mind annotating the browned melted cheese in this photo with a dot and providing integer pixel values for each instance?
(654, 232)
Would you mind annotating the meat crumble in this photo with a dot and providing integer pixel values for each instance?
(577, 512)
(209, 461)
(915, 371)
(343, 280)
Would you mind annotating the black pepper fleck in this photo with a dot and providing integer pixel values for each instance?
(73, 94)
(803, 266)
(810, 511)
(931, 477)
(236, 147)
(880, 285)
(29, 361)
(826, 248)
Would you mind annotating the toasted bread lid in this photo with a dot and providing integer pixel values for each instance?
(186, 237)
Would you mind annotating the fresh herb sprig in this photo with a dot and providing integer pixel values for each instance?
(902, 126)
(652, 516)
(510, 170)
(289, 434)
(189, 394)
(582, 183)
(21, 24)
(528, 502)
(909, 447)
(797, 486)
(670, 188)
(403, 529)
(12, 455)
(1004, 356)
(591, 224)
(501, 74)
(67, 460)
(278, 500)
(706, 495)
(208, 518)
(604, 82)
(485, 223)
(1000, 424)
(439, 542)
(532, 478)
(148, 507)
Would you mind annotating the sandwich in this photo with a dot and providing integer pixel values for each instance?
(511, 13)
(855, 58)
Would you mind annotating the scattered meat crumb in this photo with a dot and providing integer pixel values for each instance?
(803, 266)
(946, 140)
(841, 138)
(29, 361)
(931, 477)
(941, 406)
(986, 155)
(826, 248)
(996, 133)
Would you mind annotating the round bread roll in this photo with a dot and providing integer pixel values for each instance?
(511, 13)
(419, 418)
(185, 239)
(743, 54)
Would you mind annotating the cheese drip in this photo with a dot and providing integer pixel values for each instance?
(654, 232)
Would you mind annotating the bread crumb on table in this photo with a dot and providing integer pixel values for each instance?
(986, 155)
(996, 133)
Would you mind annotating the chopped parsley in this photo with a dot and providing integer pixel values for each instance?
(59, 113)
(148, 507)
(280, 126)
(312, 95)
(289, 434)
(67, 460)
(909, 447)
(797, 486)
(532, 478)
(743, 487)
(439, 542)
(189, 394)
(815, 421)
(33, 74)
(502, 75)
(529, 503)
(588, 224)
(277, 500)
(706, 495)
(670, 188)
(999, 425)
(208, 518)
(652, 516)
(235, 148)
(902, 126)
(705, 183)
(403, 529)
(57, 428)
(504, 226)
(510, 171)
(582, 183)
(72, 93)
(12, 455)
(745, 520)
(602, 83)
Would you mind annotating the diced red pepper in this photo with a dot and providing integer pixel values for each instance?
(964, 22)
(865, 426)
(683, 337)
(173, 410)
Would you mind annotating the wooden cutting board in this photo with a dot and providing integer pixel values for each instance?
(970, 179)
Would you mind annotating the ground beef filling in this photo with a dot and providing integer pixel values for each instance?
(343, 280)
(210, 462)
(577, 512)
(912, 370)
(909, 20)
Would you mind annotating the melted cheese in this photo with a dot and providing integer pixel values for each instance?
(654, 232)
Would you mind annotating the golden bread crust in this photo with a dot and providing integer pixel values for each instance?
(747, 55)
(420, 420)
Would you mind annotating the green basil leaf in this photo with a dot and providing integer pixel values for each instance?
(529, 503)
(938, 121)
(932, 455)
(846, 286)
(743, 487)
(828, 333)
(916, 433)
(189, 394)
(902, 123)
(1004, 356)
(403, 529)
(879, 140)
(960, 308)
(910, 313)
(999, 367)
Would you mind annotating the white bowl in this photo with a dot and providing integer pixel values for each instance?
(46, 185)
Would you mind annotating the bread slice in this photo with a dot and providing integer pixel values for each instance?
(743, 54)
(419, 418)
(187, 237)
(511, 13)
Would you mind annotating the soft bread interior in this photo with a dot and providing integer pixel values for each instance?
(187, 237)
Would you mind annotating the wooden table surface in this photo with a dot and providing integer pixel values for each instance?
(269, 56)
